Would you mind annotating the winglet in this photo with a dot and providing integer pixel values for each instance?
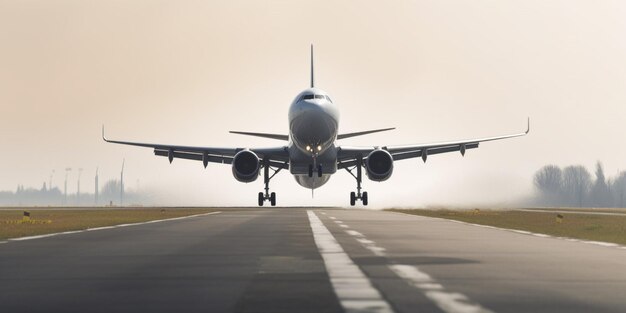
(528, 126)
(312, 77)
(103, 138)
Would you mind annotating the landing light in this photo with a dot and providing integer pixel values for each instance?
(319, 148)
(308, 148)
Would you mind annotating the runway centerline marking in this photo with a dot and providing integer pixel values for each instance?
(450, 302)
(354, 290)
(107, 227)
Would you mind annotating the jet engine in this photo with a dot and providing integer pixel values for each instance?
(246, 166)
(379, 165)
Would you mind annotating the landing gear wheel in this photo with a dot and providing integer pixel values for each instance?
(261, 199)
(319, 170)
(352, 198)
(364, 198)
(273, 199)
(310, 170)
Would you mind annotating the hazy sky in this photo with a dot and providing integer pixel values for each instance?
(186, 72)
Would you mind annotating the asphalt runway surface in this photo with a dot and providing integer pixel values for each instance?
(309, 260)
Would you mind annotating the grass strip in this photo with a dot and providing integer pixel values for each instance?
(572, 225)
(67, 220)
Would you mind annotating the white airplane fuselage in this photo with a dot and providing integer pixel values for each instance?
(313, 125)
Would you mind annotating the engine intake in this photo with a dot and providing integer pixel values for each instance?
(246, 166)
(379, 165)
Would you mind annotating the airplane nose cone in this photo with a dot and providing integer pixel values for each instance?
(312, 126)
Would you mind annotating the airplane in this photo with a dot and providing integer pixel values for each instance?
(312, 153)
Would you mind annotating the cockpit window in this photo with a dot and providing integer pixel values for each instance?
(310, 97)
(328, 98)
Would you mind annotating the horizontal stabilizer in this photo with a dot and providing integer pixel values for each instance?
(348, 135)
(264, 135)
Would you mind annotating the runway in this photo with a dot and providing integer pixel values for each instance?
(309, 260)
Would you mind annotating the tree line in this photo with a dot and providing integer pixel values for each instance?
(574, 186)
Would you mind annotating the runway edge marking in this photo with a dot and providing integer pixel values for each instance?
(522, 232)
(107, 227)
(354, 290)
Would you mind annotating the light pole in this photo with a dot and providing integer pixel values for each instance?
(80, 171)
(122, 184)
(67, 171)
(50, 183)
(96, 191)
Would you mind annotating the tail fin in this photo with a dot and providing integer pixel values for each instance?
(312, 77)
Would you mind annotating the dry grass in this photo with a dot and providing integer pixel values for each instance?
(573, 225)
(66, 220)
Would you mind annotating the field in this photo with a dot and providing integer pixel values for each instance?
(607, 228)
(45, 221)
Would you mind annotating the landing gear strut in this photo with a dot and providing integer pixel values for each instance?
(271, 197)
(354, 196)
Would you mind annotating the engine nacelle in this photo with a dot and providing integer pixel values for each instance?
(246, 166)
(379, 165)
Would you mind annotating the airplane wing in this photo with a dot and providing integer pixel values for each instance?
(367, 132)
(347, 156)
(277, 156)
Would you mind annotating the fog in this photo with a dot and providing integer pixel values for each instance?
(187, 72)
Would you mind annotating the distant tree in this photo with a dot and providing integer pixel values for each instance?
(576, 184)
(110, 190)
(619, 189)
(600, 195)
(548, 181)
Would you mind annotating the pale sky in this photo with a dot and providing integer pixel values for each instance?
(187, 72)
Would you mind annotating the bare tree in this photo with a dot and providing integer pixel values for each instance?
(619, 189)
(600, 195)
(548, 181)
(576, 184)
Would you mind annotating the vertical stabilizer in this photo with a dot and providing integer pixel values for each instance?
(312, 77)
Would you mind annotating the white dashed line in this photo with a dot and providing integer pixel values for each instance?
(344, 225)
(354, 233)
(451, 302)
(353, 288)
(107, 227)
(333, 218)
(368, 244)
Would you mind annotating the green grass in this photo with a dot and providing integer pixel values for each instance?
(573, 225)
(67, 220)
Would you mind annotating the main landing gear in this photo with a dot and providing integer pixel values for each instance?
(267, 196)
(354, 196)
